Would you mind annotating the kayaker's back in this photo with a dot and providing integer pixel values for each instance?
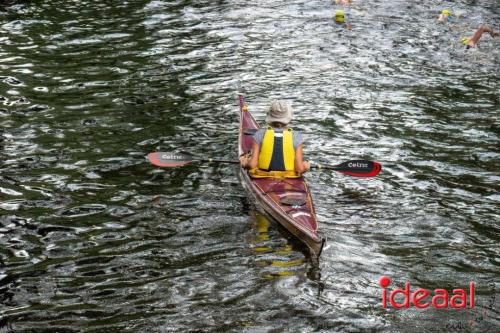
(277, 148)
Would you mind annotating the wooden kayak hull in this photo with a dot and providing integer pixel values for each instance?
(286, 200)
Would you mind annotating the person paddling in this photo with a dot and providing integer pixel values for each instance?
(472, 41)
(277, 149)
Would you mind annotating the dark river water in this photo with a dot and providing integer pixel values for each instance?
(95, 239)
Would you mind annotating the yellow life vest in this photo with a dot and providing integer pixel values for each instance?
(281, 159)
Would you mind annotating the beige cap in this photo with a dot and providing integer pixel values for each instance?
(280, 112)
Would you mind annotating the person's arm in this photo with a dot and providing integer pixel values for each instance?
(253, 161)
(479, 32)
(301, 166)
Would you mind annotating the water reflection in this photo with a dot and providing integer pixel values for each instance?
(276, 250)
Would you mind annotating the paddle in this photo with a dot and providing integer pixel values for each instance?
(356, 168)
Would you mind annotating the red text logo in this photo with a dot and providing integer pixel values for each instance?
(423, 298)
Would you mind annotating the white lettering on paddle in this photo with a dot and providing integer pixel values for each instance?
(171, 157)
(357, 165)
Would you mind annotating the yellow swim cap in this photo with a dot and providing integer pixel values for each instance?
(464, 40)
(446, 12)
(339, 16)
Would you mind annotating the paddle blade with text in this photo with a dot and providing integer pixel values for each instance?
(359, 168)
(162, 159)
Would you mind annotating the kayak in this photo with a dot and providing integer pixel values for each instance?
(286, 200)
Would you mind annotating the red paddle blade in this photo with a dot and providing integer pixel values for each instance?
(359, 168)
(162, 159)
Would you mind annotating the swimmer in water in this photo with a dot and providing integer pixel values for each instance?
(472, 41)
(340, 19)
(445, 16)
(343, 2)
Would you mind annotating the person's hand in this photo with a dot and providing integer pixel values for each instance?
(243, 160)
(306, 165)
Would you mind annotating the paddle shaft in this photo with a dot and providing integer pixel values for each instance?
(215, 160)
(324, 166)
